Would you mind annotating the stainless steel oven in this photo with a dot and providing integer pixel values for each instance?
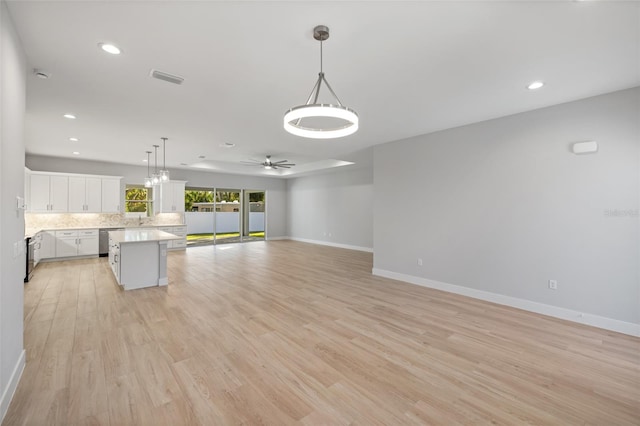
(30, 244)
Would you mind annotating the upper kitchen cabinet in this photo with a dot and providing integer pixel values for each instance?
(49, 193)
(73, 193)
(85, 194)
(111, 195)
(169, 197)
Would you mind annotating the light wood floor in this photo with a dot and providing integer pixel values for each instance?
(291, 333)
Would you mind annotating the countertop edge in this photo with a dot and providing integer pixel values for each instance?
(32, 232)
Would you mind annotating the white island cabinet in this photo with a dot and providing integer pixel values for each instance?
(138, 258)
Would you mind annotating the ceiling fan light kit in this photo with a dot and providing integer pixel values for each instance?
(267, 164)
(294, 118)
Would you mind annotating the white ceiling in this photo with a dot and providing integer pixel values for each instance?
(407, 68)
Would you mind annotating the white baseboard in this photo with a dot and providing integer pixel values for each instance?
(328, 243)
(7, 393)
(277, 238)
(527, 305)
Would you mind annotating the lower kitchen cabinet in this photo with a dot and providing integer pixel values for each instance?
(88, 241)
(114, 258)
(45, 247)
(48, 244)
(71, 243)
(180, 231)
(67, 243)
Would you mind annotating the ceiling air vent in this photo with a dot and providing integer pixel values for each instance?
(166, 77)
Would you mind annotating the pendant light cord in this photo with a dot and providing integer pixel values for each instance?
(164, 153)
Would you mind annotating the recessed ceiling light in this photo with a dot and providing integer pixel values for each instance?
(75, 153)
(70, 116)
(227, 145)
(201, 156)
(183, 164)
(110, 48)
(74, 139)
(535, 85)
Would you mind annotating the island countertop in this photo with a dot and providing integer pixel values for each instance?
(140, 236)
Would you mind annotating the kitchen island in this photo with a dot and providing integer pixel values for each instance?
(138, 258)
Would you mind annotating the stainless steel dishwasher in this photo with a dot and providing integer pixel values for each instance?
(103, 242)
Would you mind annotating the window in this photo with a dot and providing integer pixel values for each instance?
(138, 200)
(198, 200)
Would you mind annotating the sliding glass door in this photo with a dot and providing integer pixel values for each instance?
(224, 215)
(228, 216)
(199, 216)
(253, 215)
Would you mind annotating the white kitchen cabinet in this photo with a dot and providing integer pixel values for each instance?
(111, 195)
(170, 197)
(39, 191)
(48, 245)
(72, 193)
(66, 243)
(37, 254)
(88, 242)
(114, 258)
(85, 194)
(178, 231)
(45, 247)
(138, 258)
(71, 243)
(49, 193)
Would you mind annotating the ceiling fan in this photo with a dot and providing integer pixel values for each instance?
(268, 164)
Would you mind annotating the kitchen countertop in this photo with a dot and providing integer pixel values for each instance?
(32, 232)
(140, 236)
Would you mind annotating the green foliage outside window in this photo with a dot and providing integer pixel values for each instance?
(256, 197)
(137, 200)
(228, 197)
(196, 196)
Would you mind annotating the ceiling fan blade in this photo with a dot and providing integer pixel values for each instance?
(281, 166)
(287, 164)
(278, 162)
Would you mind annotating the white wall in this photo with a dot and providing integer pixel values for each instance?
(332, 208)
(275, 188)
(12, 268)
(503, 206)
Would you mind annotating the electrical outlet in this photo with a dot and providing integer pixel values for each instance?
(419, 262)
(553, 284)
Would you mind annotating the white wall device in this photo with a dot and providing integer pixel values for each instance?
(585, 147)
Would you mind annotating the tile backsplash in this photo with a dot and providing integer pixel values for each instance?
(37, 221)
